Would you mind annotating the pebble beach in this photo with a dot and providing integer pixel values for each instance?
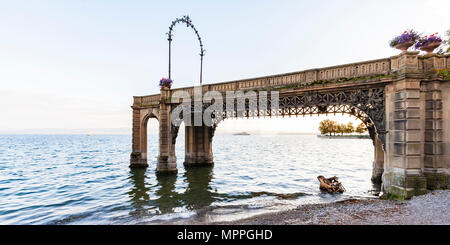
(432, 208)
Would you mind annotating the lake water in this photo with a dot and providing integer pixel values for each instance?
(77, 179)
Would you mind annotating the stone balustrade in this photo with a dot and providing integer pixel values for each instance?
(146, 100)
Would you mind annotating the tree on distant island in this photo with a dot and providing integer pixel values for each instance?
(361, 128)
(341, 128)
(331, 127)
(327, 126)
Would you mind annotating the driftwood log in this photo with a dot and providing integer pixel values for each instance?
(330, 185)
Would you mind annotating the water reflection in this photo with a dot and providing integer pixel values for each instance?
(139, 193)
(166, 197)
(199, 192)
(108, 191)
(163, 196)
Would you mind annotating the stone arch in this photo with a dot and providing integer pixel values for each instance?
(139, 143)
(144, 123)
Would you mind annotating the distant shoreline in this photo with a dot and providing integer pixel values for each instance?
(364, 136)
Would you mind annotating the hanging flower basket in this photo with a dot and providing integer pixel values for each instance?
(428, 43)
(405, 40)
(165, 83)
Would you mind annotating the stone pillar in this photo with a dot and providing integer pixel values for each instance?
(138, 157)
(445, 157)
(435, 159)
(403, 175)
(167, 162)
(198, 146)
(378, 161)
(436, 100)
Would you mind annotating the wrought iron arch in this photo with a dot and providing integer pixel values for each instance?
(366, 104)
(185, 19)
(332, 109)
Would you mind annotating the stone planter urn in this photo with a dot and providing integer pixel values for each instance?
(165, 88)
(404, 46)
(430, 47)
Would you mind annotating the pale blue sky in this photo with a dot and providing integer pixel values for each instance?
(77, 64)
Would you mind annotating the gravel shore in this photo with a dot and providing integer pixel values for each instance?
(430, 209)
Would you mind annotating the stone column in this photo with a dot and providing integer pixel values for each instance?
(403, 175)
(138, 157)
(445, 143)
(378, 161)
(167, 162)
(435, 159)
(198, 146)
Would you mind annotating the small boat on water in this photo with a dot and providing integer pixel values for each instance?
(90, 134)
(242, 133)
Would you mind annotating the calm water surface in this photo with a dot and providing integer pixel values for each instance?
(76, 179)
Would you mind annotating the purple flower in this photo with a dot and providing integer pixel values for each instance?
(407, 36)
(427, 41)
(164, 82)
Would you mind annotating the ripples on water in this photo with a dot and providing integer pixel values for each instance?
(76, 179)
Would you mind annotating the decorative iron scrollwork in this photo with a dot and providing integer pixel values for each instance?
(368, 105)
(174, 133)
(185, 19)
(212, 130)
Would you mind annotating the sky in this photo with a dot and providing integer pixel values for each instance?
(74, 66)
